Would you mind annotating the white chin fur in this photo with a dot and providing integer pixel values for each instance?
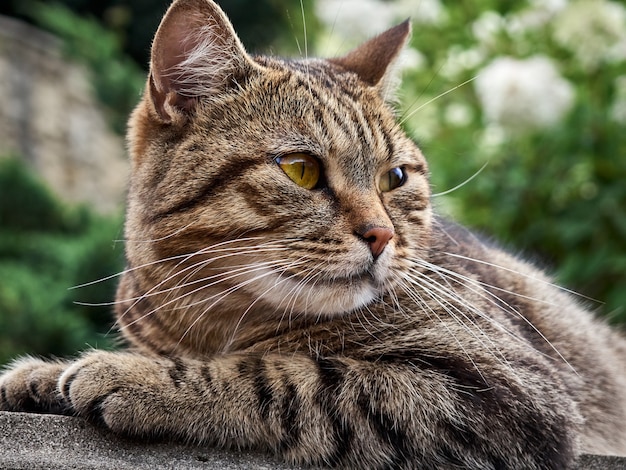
(290, 296)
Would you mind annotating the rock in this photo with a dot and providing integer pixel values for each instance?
(38, 442)
(51, 118)
(50, 442)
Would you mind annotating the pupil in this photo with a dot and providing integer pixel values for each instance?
(396, 178)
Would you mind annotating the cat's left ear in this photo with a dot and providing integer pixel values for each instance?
(374, 60)
(196, 53)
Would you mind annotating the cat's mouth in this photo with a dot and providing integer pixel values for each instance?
(363, 276)
(320, 292)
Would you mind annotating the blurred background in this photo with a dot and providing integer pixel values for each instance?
(520, 108)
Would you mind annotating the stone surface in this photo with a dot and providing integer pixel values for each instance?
(601, 462)
(38, 442)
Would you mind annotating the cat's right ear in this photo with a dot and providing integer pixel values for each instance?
(374, 61)
(195, 53)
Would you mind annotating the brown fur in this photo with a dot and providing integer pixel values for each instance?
(341, 325)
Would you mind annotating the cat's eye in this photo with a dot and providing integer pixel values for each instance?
(393, 179)
(303, 169)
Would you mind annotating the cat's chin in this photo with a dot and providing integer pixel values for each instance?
(322, 298)
(329, 300)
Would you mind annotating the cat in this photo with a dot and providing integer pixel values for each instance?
(290, 289)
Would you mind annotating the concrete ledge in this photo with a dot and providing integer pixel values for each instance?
(49, 442)
(38, 442)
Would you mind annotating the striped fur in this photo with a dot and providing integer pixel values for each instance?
(260, 316)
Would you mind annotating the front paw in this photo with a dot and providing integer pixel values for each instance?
(30, 385)
(117, 390)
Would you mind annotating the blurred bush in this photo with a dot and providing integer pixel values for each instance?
(113, 38)
(554, 140)
(537, 91)
(116, 79)
(261, 24)
(46, 248)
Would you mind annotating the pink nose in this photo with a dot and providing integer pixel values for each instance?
(377, 238)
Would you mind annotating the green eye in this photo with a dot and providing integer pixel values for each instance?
(393, 179)
(303, 169)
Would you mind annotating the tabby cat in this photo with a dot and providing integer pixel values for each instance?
(289, 288)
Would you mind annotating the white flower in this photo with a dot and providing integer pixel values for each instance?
(458, 114)
(487, 27)
(491, 139)
(360, 19)
(551, 6)
(617, 52)
(422, 11)
(411, 59)
(350, 22)
(355, 19)
(460, 59)
(523, 94)
(528, 20)
(594, 30)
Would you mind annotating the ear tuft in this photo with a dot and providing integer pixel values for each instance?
(195, 53)
(373, 61)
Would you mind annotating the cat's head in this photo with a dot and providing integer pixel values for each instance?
(281, 184)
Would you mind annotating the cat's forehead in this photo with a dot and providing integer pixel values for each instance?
(314, 100)
(324, 75)
(308, 106)
(316, 91)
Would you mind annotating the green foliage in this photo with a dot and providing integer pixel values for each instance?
(266, 24)
(554, 161)
(46, 249)
(261, 24)
(554, 192)
(116, 79)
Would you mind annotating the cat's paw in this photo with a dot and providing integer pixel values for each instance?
(30, 385)
(118, 390)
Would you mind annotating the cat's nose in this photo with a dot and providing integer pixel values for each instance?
(377, 238)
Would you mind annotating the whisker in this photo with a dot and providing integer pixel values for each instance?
(174, 233)
(223, 295)
(295, 33)
(154, 290)
(198, 266)
(269, 289)
(439, 294)
(493, 299)
(419, 301)
(430, 82)
(527, 276)
(332, 31)
(440, 95)
(449, 272)
(306, 42)
(306, 51)
(307, 275)
(226, 276)
(159, 261)
(458, 186)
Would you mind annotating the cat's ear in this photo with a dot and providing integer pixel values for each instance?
(195, 53)
(374, 60)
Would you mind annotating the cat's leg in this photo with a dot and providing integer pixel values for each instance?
(332, 411)
(30, 385)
